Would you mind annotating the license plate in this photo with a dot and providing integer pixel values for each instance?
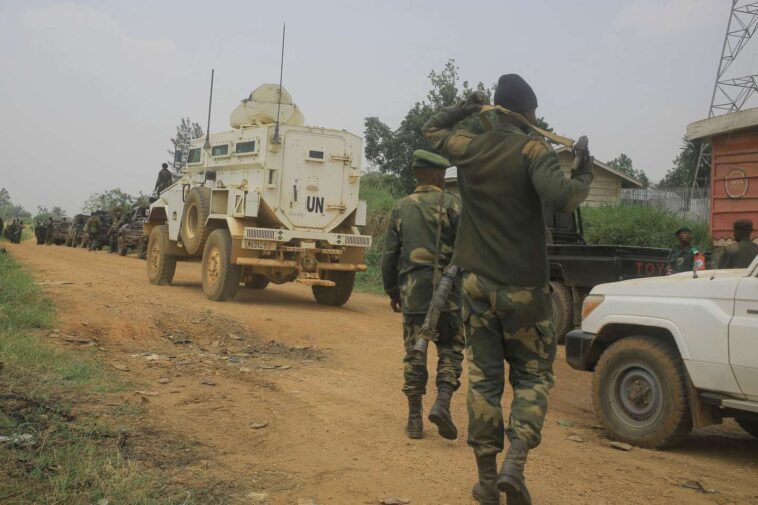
(262, 245)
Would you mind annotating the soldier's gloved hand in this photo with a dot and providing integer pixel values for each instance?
(396, 305)
(474, 102)
(581, 150)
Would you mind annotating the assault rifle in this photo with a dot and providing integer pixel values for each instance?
(436, 307)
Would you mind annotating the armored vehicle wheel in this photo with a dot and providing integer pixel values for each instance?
(640, 394)
(197, 207)
(160, 266)
(257, 282)
(563, 310)
(340, 293)
(220, 278)
(749, 424)
(122, 247)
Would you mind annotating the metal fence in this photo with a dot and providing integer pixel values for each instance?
(686, 202)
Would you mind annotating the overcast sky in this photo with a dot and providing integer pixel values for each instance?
(91, 91)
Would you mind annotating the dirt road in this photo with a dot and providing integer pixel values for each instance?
(328, 387)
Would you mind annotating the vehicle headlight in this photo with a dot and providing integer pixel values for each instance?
(590, 304)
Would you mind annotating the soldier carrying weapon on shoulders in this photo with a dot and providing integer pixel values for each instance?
(418, 246)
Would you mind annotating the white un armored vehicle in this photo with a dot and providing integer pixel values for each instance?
(265, 202)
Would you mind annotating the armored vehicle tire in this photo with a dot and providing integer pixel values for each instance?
(639, 392)
(160, 266)
(197, 208)
(749, 424)
(122, 247)
(563, 310)
(339, 294)
(257, 282)
(220, 278)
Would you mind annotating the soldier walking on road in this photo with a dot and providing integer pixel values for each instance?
(165, 179)
(505, 178)
(92, 229)
(118, 222)
(417, 248)
(740, 254)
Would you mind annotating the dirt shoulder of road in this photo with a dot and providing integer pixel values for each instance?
(271, 397)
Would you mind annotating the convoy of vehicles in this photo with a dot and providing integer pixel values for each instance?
(671, 353)
(131, 235)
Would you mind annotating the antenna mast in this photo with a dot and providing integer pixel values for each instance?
(207, 144)
(277, 139)
(731, 95)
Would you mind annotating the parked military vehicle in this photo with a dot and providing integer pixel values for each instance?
(268, 201)
(75, 233)
(132, 234)
(101, 240)
(60, 232)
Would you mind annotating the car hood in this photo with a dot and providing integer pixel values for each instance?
(708, 284)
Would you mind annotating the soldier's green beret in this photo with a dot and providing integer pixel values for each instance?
(425, 159)
(683, 228)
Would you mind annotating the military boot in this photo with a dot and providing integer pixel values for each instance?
(485, 490)
(415, 428)
(511, 480)
(440, 413)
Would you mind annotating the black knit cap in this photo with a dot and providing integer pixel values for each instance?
(515, 94)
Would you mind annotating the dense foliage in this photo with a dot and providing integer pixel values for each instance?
(623, 163)
(638, 226)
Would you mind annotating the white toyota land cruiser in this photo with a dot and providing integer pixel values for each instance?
(671, 353)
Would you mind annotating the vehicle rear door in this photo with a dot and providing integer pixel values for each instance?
(743, 335)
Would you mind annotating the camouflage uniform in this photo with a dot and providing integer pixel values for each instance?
(408, 273)
(505, 178)
(165, 179)
(742, 253)
(119, 218)
(739, 254)
(91, 229)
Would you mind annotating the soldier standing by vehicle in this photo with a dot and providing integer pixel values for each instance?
(682, 259)
(165, 179)
(417, 247)
(17, 231)
(505, 178)
(91, 229)
(118, 222)
(742, 253)
(49, 230)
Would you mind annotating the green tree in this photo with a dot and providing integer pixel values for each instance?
(8, 210)
(623, 163)
(186, 132)
(683, 170)
(390, 150)
(108, 200)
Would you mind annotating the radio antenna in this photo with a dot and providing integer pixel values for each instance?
(277, 139)
(210, 102)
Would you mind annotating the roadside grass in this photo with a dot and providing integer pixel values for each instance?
(67, 455)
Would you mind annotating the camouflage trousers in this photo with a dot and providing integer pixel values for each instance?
(449, 352)
(507, 324)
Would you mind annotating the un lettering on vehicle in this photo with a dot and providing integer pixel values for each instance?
(261, 245)
(315, 204)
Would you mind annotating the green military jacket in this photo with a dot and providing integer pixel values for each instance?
(682, 259)
(409, 247)
(505, 178)
(739, 255)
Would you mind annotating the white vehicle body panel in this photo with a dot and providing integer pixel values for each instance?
(707, 317)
